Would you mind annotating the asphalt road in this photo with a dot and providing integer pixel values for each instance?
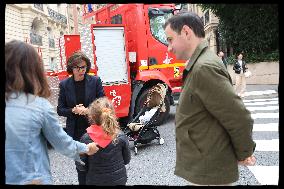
(154, 164)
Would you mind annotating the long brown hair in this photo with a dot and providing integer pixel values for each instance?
(156, 95)
(24, 70)
(154, 99)
(101, 112)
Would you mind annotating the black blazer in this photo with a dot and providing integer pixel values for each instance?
(67, 98)
(237, 67)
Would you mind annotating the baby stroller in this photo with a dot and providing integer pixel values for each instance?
(142, 130)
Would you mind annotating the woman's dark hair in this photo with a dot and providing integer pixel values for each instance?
(189, 19)
(24, 70)
(75, 59)
(239, 54)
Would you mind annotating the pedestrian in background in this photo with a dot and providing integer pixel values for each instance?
(213, 127)
(75, 95)
(240, 68)
(107, 166)
(30, 120)
(221, 55)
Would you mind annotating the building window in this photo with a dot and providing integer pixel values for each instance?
(117, 19)
(206, 16)
(52, 64)
(35, 37)
(39, 6)
(51, 41)
(202, 18)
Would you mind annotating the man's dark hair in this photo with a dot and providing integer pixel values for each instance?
(189, 19)
(75, 59)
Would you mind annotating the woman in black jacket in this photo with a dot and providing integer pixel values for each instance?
(107, 166)
(75, 95)
(240, 68)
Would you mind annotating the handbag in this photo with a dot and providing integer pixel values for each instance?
(248, 74)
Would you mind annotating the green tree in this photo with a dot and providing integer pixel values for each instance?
(251, 28)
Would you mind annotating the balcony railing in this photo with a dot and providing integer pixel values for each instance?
(36, 39)
(39, 6)
(57, 16)
(51, 43)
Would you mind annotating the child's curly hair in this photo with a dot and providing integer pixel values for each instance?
(101, 112)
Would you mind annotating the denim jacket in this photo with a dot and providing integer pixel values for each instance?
(29, 122)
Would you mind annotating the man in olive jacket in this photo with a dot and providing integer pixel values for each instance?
(213, 126)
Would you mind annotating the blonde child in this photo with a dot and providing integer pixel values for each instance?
(107, 166)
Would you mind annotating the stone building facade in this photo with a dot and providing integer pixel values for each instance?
(41, 25)
(210, 25)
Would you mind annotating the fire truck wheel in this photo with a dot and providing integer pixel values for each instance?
(163, 115)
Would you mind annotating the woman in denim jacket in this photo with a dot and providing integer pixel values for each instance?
(30, 120)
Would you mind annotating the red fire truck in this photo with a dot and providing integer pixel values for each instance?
(128, 48)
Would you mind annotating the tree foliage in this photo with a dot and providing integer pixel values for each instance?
(251, 28)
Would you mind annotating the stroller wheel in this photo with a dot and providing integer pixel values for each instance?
(135, 150)
(161, 141)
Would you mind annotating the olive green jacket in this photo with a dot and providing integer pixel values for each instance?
(213, 126)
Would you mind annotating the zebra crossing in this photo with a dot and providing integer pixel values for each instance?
(265, 112)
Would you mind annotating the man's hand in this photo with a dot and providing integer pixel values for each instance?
(92, 148)
(249, 161)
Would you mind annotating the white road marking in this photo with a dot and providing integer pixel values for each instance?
(260, 103)
(259, 92)
(265, 115)
(260, 100)
(267, 145)
(253, 108)
(266, 175)
(266, 127)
